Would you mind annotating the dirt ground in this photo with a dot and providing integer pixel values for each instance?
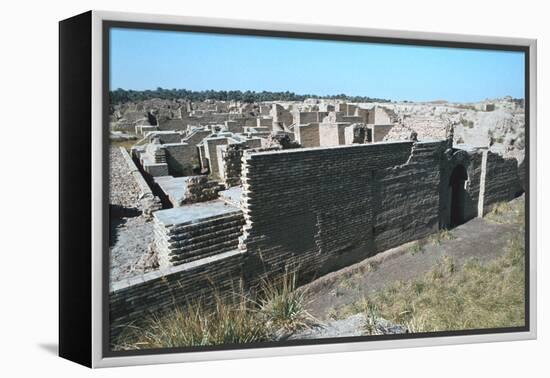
(480, 238)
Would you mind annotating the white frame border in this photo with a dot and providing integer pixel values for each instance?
(97, 192)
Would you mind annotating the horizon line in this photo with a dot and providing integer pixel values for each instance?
(313, 95)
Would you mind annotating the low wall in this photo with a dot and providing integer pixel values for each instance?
(180, 158)
(196, 137)
(302, 118)
(332, 134)
(307, 135)
(133, 299)
(148, 201)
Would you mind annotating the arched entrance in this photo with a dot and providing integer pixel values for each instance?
(457, 195)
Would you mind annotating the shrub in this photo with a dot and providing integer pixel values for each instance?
(278, 306)
(282, 306)
(194, 325)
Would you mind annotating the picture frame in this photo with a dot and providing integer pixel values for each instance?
(85, 292)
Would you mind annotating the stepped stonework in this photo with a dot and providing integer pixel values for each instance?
(197, 232)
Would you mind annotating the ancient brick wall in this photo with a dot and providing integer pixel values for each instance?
(318, 210)
(211, 153)
(159, 291)
(321, 209)
(167, 137)
(380, 131)
(307, 135)
(332, 134)
(502, 180)
(231, 163)
(196, 137)
(302, 118)
(406, 198)
(173, 124)
(180, 158)
(268, 122)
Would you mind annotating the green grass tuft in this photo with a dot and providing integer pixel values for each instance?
(416, 247)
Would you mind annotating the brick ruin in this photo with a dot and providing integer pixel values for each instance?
(241, 204)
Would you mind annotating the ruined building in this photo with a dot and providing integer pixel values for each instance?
(336, 196)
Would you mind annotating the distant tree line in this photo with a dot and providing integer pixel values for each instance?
(119, 96)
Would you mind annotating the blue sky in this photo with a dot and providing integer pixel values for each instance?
(144, 59)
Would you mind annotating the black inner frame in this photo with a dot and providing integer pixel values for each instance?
(106, 27)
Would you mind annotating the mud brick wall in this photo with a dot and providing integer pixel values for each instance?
(180, 158)
(234, 126)
(522, 175)
(184, 243)
(321, 209)
(332, 134)
(156, 292)
(211, 152)
(267, 122)
(167, 138)
(380, 131)
(302, 118)
(196, 137)
(406, 198)
(231, 164)
(307, 135)
(173, 124)
(502, 182)
(180, 124)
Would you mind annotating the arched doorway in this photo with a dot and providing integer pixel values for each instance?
(457, 195)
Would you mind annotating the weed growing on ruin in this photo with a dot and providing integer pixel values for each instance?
(278, 307)
(441, 236)
(228, 323)
(282, 306)
(508, 213)
(477, 296)
(371, 266)
(372, 318)
(416, 247)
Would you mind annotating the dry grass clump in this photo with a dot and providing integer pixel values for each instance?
(477, 296)
(278, 307)
(440, 236)
(508, 212)
(281, 306)
(415, 247)
(228, 323)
